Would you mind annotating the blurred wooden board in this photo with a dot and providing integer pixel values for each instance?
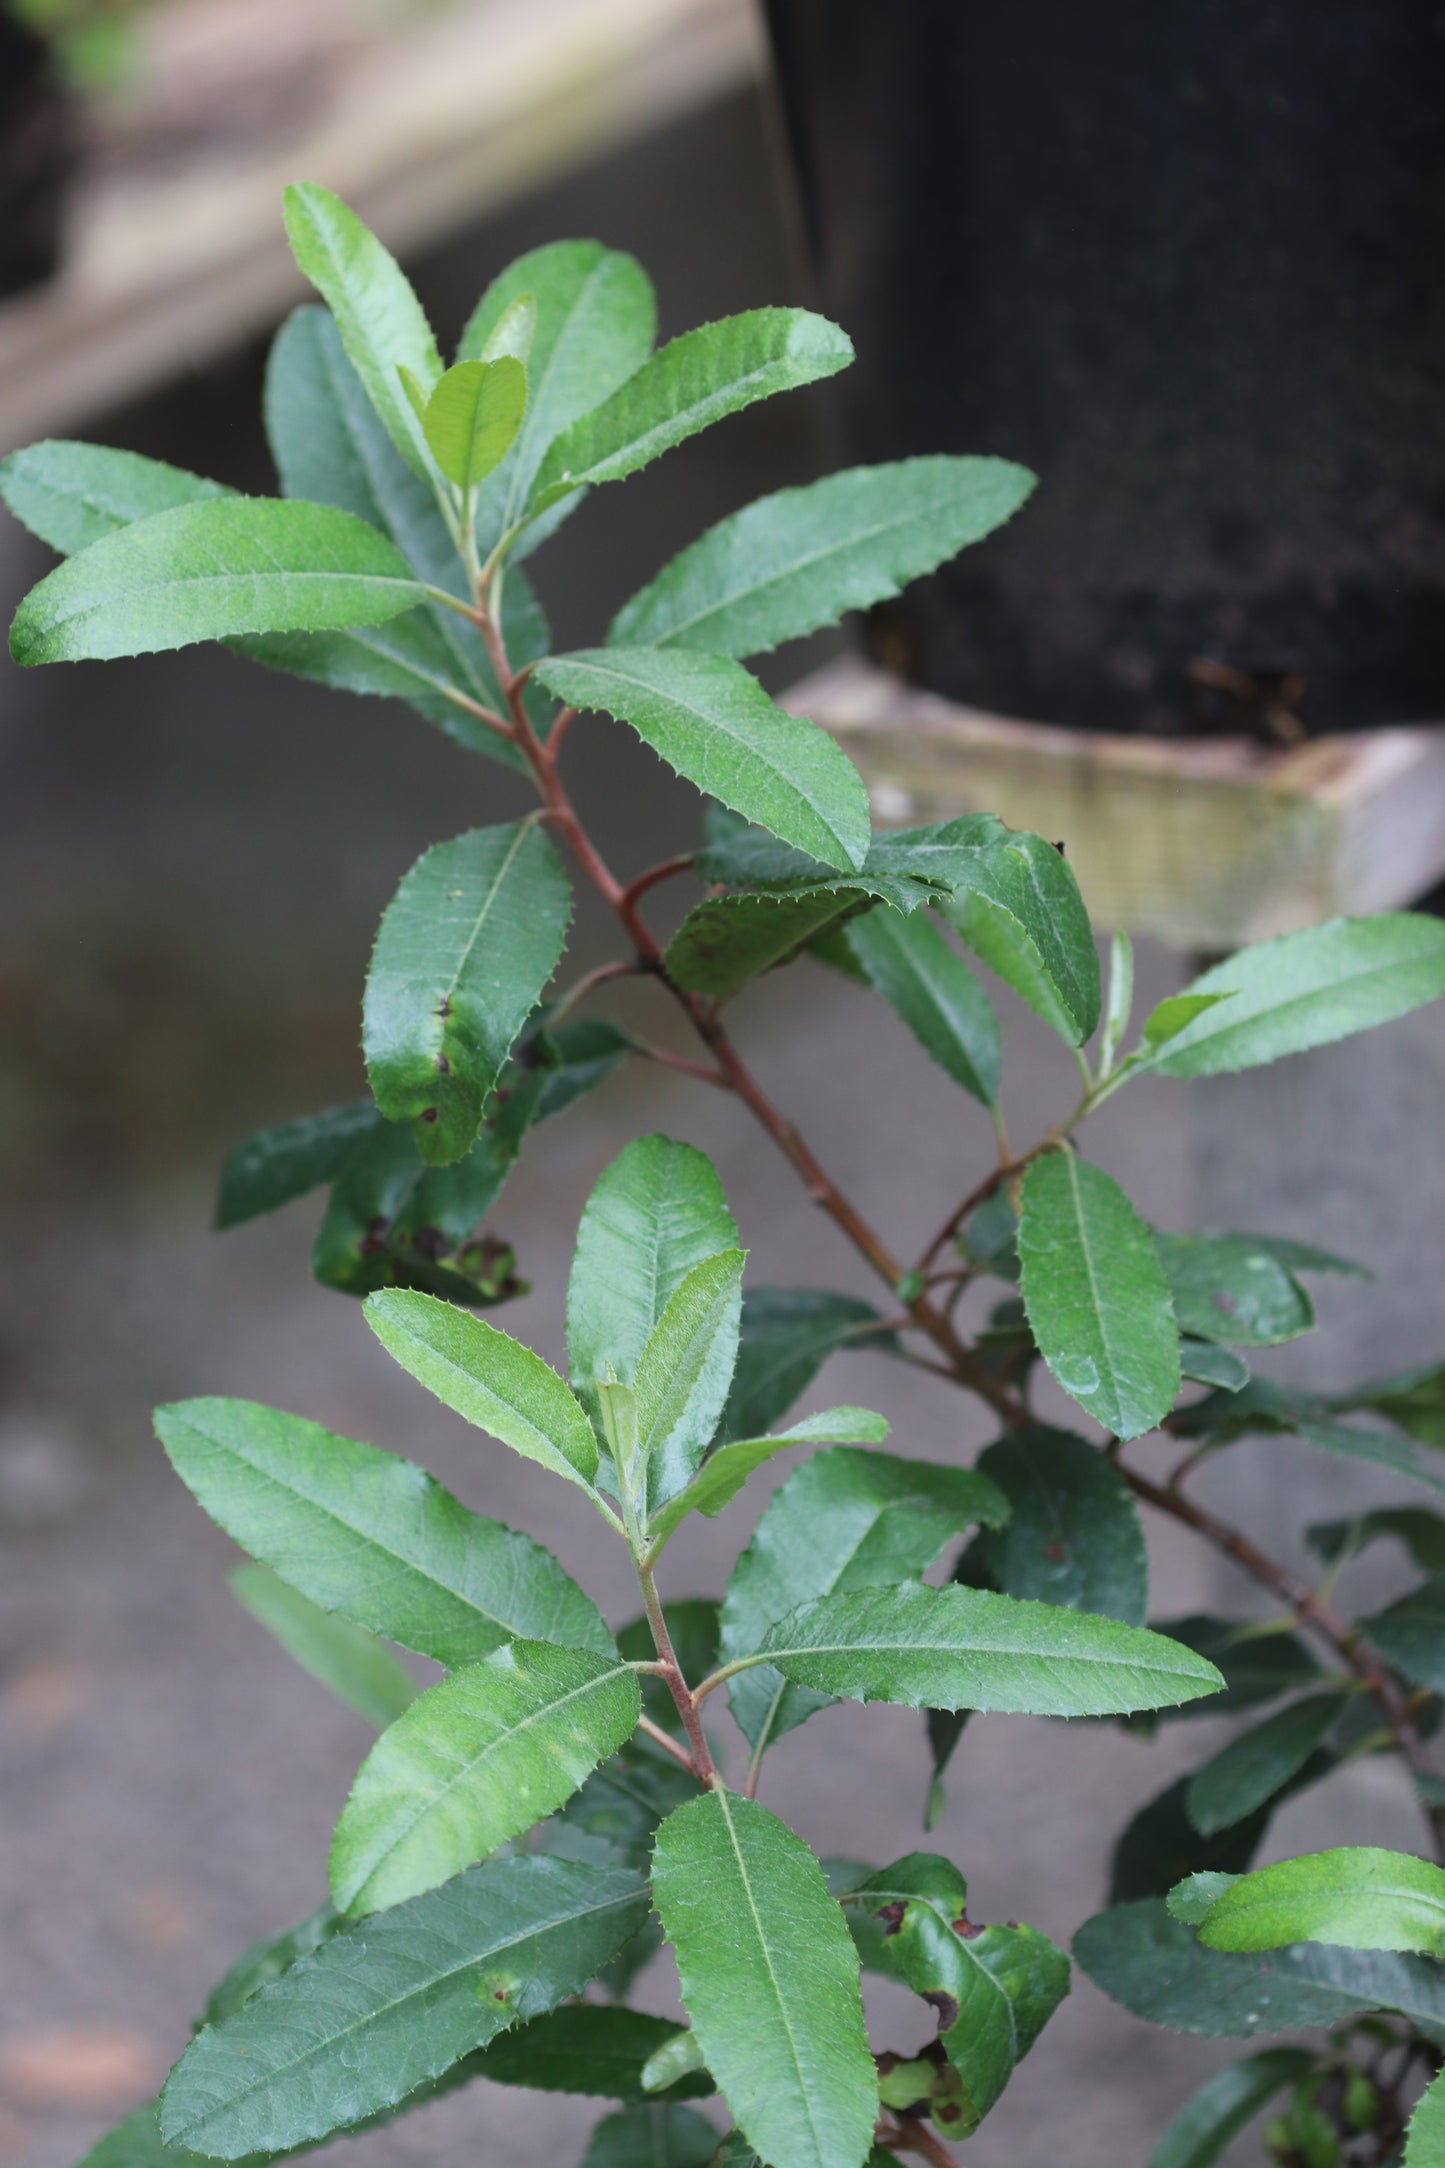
(175, 247)
(1202, 843)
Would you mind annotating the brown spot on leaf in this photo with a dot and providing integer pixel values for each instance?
(948, 2111)
(1057, 1552)
(444, 1067)
(891, 1916)
(431, 1114)
(444, 1007)
(966, 1927)
(945, 2004)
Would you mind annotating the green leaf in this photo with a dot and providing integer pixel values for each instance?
(1207, 1364)
(727, 941)
(137, 2143)
(1073, 1535)
(1258, 1666)
(657, 1212)
(1421, 1531)
(357, 1667)
(1415, 1399)
(1425, 2138)
(204, 571)
(693, 381)
(656, 2135)
(910, 964)
(330, 447)
(800, 559)
(382, 324)
(965, 1648)
(903, 867)
(993, 1989)
(71, 495)
(1226, 2104)
(394, 2000)
(1410, 1635)
(370, 1535)
(770, 1981)
(1192, 1898)
(478, 1758)
(1095, 1295)
(1159, 1969)
(723, 1474)
(1119, 1002)
(1226, 1287)
(472, 416)
(588, 2047)
(1169, 1018)
(1357, 1896)
(574, 1057)
(684, 1372)
(465, 949)
(788, 1333)
(843, 1520)
(273, 1166)
(489, 1378)
(1017, 905)
(595, 324)
(1254, 1766)
(1160, 1844)
(267, 1959)
(680, 2057)
(1305, 989)
(707, 718)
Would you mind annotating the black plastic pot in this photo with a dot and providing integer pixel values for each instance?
(1186, 258)
(36, 151)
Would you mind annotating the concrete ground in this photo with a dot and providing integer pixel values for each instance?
(194, 856)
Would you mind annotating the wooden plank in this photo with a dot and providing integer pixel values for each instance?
(423, 129)
(1203, 843)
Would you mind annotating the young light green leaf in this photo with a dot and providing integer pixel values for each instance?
(370, 1535)
(1120, 999)
(1425, 2138)
(355, 1664)
(655, 2135)
(1227, 1287)
(844, 1519)
(770, 1980)
(1073, 1535)
(993, 1988)
(801, 558)
(1305, 989)
(273, 1166)
(1158, 1968)
(707, 718)
(465, 948)
(1253, 1766)
(693, 381)
(728, 940)
(396, 1999)
(589, 2047)
(477, 1759)
(965, 1648)
(1096, 1296)
(382, 324)
(331, 448)
(71, 495)
(723, 1474)
(472, 416)
(205, 571)
(595, 324)
(684, 1372)
(788, 1334)
(1226, 2104)
(1169, 1017)
(489, 1378)
(1017, 905)
(679, 2057)
(1357, 1896)
(656, 1213)
(910, 964)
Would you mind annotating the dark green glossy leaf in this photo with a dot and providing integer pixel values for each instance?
(770, 1980)
(1159, 1969)
(394, 2000)
(1226, 2104)
(657, 2135)
(1421, 1531)
(707, 718)
(800, 559)
(587, 2047)
(910, 964)
(1018, 907)
(1255, 1765)
(362, 1532)
(724, 943)
(1410, 1635)
(1161, 1845)
(1257, 1667)
(1095, 1294)
(273, 1166)
(788, 1333)
(1210, 1365)
(267, 1960)
(1224, 1287)
(465, 949)
(843, 1520)
(1073, 1535)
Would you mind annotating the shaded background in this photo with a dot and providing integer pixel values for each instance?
(193, 856)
